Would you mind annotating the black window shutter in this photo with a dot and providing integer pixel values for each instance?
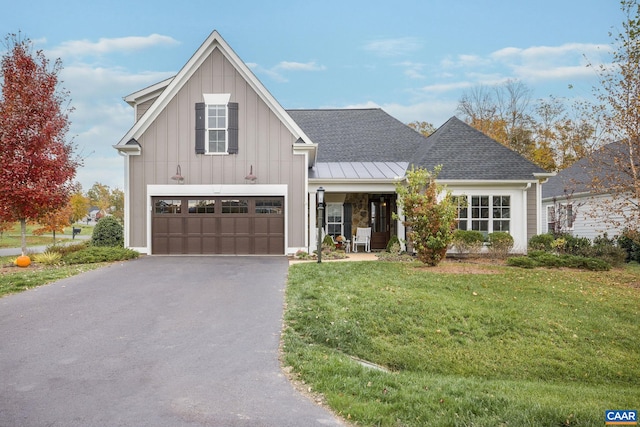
(233, 127)
(201, 130)
(348, 213)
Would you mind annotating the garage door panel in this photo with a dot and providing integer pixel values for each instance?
(210, 225)
(276, 225)
(175, 226)
(276, 244)
(176, 245)
(209, 245)
(193, 226)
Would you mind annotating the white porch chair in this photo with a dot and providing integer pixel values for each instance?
(362, 237)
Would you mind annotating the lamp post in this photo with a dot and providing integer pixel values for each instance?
(320, 212)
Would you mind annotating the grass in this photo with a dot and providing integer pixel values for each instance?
(12, 238)
(20, 279)
(518, 347)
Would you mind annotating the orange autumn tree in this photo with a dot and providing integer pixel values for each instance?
(54, 221)
(37, 165)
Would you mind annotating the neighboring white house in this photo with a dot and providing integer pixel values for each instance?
(215, 165)
(570, 205)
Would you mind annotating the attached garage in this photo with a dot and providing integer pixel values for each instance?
(231, 225)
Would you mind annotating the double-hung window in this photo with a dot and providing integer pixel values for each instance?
(217, 128)
(334, 219)
(216, 125)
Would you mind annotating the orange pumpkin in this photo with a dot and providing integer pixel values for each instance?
(23, 261)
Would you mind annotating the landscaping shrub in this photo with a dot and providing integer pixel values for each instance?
(547, 259)
(328, 242)
(541, 242)
(393, 241)
(108, 232)
(48, 258)
(67, 249)
(468, 241)
(100, 254)
(629, 240)
(500, 243)
(607, 249)
(573, 245)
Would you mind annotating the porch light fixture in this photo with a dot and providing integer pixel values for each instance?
(251, 177)
(178, 176)
(320, 213)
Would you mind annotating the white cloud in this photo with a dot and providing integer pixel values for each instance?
(566, 62)
(299, 66)
(394, 46)
(276, 71)
(447, 87)
(78, 48)
(413, 70)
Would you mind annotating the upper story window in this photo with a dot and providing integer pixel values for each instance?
(217, 125)
(217, 128)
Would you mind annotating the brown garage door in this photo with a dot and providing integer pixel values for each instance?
(218, 225)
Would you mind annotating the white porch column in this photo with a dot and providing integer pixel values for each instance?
(400, 227)
(313, 226)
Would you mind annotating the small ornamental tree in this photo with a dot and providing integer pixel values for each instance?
(37, 166)
(429, 214)
(54, 221)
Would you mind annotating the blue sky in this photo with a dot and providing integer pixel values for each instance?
(412, 58)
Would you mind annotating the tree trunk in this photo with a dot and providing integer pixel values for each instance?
(23, 234)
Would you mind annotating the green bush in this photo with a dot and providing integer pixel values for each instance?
(100, 254)
(607, 249)
(573, 245)
(629, 241)
(468, 241)
(547, 259)
(541, 242)
(108, 232)
(523, 262)
(500, 243)
(393, 241)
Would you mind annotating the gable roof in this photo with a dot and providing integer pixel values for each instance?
(214, 41)
(468, 154)
(602, 164)
(358, 135)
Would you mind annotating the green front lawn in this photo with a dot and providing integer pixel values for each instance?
(12, 237)
(512, 347)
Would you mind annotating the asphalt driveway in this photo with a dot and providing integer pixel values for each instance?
(159, 341)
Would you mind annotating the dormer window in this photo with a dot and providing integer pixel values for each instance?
(217, 125)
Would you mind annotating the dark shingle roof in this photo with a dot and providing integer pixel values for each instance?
(603, 164)
(358, 135)
(467, 153)
(371, 135)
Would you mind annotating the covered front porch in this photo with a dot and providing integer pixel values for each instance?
(343, 213)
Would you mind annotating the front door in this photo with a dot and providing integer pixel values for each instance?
(380, 211)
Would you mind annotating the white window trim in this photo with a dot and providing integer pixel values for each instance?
(221, 99)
